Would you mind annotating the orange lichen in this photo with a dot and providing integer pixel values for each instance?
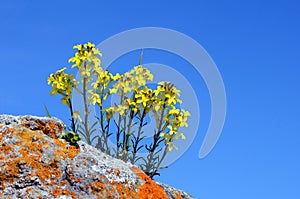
(49, 128)
(149, 190)
(77, 179)
(124, 191)
(52, 125)
(99, 186)
(6, 149)
(118, 172)
(100, 190)
(65, 152)
(177, 195)
(63, 183)
(31, 146)
(27, 191)
(58, 192)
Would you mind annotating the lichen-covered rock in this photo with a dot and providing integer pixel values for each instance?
(35, 164)
(174, 193)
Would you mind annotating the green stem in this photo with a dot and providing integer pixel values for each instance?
(73, 122)
(124, 151)
(106, 139)
(119, 127)
(153, 148)
(129, 126)
(135, 147)
(162, 117)
(86, 111)
(162, 158)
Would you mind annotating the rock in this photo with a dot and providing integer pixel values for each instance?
(35, 164)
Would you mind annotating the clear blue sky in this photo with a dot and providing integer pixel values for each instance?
(255, 44)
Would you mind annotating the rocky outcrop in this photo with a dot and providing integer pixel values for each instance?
(35, 164)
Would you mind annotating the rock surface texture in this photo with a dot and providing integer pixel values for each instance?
(35, 164)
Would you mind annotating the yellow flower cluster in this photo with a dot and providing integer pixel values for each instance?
(145, 97)
(101, 89)
(131, 81)
(166, 99)
(86, 58)
(63, 84)
(142, 100)
(166, 96)
(168, 93)
(128, 82)
(109, 113)
(176, 118)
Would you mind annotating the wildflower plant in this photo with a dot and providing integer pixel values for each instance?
(63, 84)
(71, 137)
(137, 101)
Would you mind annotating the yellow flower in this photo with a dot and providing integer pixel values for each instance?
(143, 100)
(174, 111)
(133, 104)
(172, 100)
(86, 58)
(61, 70)
(63, 84)
(166, 135)
(176, 91)
(160, 89)
(183, 118)
(51, 79)
(65, 100)
(182, 136)
(94, 97)
(97, 52)
(144, 96)
(116, 77)
(172, 130)
(113, 90)
(185, 113)
(121, 109)
(127, 89)
(76, 115)
(157, 107)
(171, 146)
(89, 45)
(79, 47)
(109, 113)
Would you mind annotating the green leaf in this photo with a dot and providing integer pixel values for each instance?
(92, 127)
(141, 57)
(140, 147)
(82, 134)
(145, 124)
(163, 167)
(97, 136)
(91, 132)
(47, 111)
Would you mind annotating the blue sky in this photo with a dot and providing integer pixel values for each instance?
(255, 44)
